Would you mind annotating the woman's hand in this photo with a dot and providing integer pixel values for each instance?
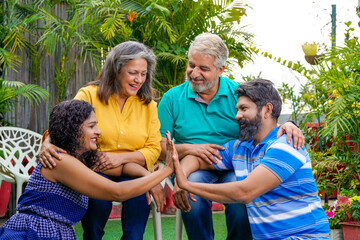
(49, 152)
(172, 155)
(170, 152)
(107, 161)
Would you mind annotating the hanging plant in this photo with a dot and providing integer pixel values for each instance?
(310, 49)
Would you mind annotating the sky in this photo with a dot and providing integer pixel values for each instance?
(280, 27)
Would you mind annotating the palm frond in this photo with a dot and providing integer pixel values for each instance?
(174, 58)
(133, 6)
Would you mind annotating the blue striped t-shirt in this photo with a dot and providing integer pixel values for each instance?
(293, 209)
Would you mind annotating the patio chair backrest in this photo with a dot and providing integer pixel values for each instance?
(19, 148)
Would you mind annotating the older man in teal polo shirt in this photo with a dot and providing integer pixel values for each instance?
(200, 115)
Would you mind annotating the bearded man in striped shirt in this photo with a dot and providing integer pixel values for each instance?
(274, 179)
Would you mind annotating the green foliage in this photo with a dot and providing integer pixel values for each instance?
(71, 39)
(332, 95)
(168, 27)
(337, 214)
(355, 208)
(352, 192)
(334, 169)
(74, 31)
(298, 67)
(15, 23)
(10, 91)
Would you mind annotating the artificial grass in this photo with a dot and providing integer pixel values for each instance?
(113, 228)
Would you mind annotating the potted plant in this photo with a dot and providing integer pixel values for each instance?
(336, 214)
(310, 50)
(347, 193)
(351, 228)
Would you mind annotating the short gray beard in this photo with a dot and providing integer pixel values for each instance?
(207, 85)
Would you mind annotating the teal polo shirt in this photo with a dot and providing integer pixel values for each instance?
(190, 121)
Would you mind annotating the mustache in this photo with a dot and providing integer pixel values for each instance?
(242, 121)
(196, 79)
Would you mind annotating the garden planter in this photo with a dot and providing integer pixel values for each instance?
(351, 230)
(313, 59)
(336, 234)
(333, 194)
(342, 199)
(5, 188)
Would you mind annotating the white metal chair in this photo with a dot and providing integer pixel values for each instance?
(18, 150)
(178, 222)
(157, 215)
(6, 175)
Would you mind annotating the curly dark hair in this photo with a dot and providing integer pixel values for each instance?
(65, 123)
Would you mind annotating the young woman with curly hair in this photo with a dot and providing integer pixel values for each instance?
(57, 198)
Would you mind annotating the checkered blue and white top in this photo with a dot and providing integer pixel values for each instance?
(47, 210)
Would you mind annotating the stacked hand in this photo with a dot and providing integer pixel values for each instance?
(171, 152)
(107, 160)
(206, 151)
(179, 195)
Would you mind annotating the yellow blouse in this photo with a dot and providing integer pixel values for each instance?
(136, 128)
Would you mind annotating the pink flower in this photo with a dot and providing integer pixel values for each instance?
(330, 214)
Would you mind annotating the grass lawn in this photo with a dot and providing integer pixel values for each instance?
(113, 228)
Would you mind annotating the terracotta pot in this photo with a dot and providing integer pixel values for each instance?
(342, 199)
(336, 234)
(351, 230)
(5, 188)
(313, 59)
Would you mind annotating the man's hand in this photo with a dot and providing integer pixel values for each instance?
(180, 198)
(159, 197)
(294, 132)
(49, 152)
(206, 152)
(107, 161)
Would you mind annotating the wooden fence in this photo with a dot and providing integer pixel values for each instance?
(36, 118)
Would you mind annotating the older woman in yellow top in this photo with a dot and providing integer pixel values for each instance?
(127, 117)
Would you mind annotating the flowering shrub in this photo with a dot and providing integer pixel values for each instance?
(338, 213)
(355, 208)
(347, 212)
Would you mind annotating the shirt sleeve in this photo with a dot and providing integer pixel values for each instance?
(166, 116)
(152, 147)
(84, 95)
(226, 154)
(283, 160)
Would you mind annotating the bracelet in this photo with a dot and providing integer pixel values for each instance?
(293, 122)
